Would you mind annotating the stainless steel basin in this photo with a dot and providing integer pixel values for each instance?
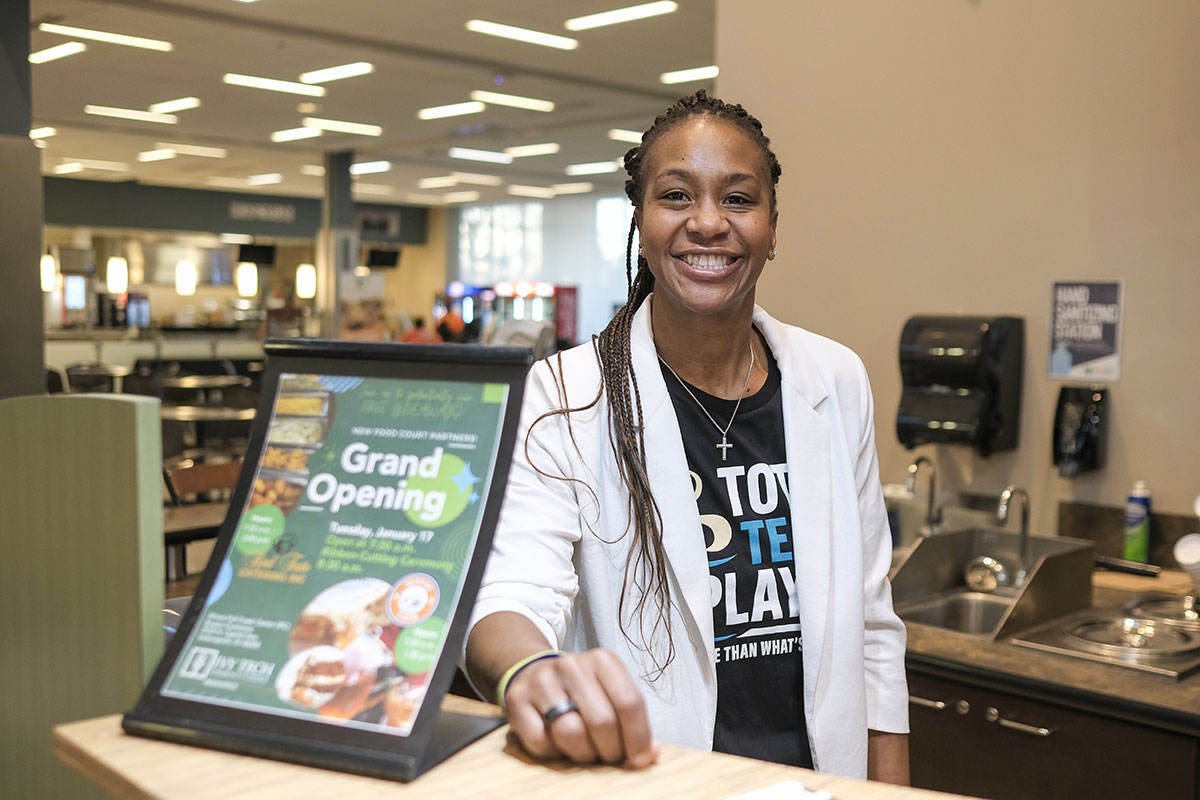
(928, 586)
(968, 612)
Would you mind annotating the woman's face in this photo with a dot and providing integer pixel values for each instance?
(706, 223)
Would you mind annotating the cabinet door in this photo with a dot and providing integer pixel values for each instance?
(1003, 746)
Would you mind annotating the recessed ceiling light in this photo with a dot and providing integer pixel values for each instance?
(272, 85)
(573, 188)
(593, 168)
(372, 188)
(105, 36)
(337, 73)
(370, 167)
(338, 126)
(621, 15)
(685, 75)
(44, 132)
(479, 155)
(543, 192)
(67, 169)
(513, 100)
(526, 150)
(622, 135)
(92, 163)
(440, 182)
(428, 199)
(265, 179)
(522, 34)
(193, 150)
(131, 113)
(292, 134)
(39, 143)
(235, 238)
(313, 170)
(477, 179)
(171, 106)
(452, 110)
(58, 51)
(162, 154)
(461, 197)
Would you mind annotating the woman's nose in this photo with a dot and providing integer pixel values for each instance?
(708, 219)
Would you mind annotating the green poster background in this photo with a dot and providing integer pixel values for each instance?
(347, 564)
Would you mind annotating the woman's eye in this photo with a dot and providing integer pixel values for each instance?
(737, 199)
(675, 195)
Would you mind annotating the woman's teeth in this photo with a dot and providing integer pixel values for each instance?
(712, 262)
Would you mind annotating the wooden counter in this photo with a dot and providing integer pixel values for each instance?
(493, 767)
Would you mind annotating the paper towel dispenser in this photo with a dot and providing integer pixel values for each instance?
(962, 378)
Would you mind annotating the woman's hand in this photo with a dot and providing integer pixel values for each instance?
(608, 723)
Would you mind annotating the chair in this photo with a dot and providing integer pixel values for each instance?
(195, 484)
(81, 379)
(54, 381)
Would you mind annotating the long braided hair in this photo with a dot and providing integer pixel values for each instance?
(646, 563)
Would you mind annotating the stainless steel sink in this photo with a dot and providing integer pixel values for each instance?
(969, 612)
(928, 587)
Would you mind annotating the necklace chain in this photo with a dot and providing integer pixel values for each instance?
(724, 445)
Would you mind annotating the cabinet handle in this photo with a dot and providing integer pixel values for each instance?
(992, 715)
(936, 705)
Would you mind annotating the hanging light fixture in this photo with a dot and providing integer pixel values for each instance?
(116, 275)
(306, 281)
(185, 278)
(49, 273)
(247, 279)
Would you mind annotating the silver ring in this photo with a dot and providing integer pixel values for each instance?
(564, 706)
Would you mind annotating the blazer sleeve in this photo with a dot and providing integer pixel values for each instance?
(885, 637)
(530, 570)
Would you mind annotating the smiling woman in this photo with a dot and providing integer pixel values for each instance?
(647, 585)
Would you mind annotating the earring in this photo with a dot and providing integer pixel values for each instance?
(771, 256)
(639, 251)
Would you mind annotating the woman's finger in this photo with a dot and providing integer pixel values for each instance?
(629, 708)
(598, 715)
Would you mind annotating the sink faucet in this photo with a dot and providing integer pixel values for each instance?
(1006, 497)
(933, 516)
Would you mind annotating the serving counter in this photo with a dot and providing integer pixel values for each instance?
(494, 766)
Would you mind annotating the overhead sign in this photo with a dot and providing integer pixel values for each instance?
(1085, 330)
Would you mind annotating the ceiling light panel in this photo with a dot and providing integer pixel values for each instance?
(513, 101)
(312, 170)
(622, 135)
(45, 132)
(338, 73)
(480, 155)
(544, 192)
(686, 75)
(583, 187)
(58, 51)
(370, 167)
(341, 126)
(272, 85)
(67, 169)
(527, 150)
(476, 179)
(265, 179)
(131, 113)
(373, 188)
(162, 154)
(593, 168)
(171, 106)
(193, 150)
(618, 15)
(105, 36)
(452, 110)
(292, 134)
(522, 34)
(461, 197)
(440, 182)
(92, 163)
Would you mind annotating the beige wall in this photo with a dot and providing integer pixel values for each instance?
(421, 273)
(957, 157)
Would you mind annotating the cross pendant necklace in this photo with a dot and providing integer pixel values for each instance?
(724, 444)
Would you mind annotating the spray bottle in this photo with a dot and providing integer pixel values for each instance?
(1137, 523)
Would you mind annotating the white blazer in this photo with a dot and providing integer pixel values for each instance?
(560, 548)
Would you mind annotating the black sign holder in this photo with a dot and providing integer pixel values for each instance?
(435, 734)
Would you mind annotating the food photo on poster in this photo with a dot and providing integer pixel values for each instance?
(347, 563)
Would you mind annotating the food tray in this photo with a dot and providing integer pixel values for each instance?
(289, 430)
(300, 383)
(288, 459)
(276, 488)
(302, 404)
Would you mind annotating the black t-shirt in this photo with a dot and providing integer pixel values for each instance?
(744, 507)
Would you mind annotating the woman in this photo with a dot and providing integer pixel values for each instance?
(695, 514)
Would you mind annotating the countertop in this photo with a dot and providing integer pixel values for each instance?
(1160, 702)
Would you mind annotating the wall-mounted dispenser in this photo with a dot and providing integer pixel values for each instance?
(962, 380)
(1080, 423)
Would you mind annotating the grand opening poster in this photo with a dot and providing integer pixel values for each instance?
(332, 602)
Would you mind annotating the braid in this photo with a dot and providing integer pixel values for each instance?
(646, 563)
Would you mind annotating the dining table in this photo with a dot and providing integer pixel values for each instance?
(200, 416)
(108, 375)
(185, 524)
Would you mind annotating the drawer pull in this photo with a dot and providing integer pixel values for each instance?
(992, 715)
(936, 705)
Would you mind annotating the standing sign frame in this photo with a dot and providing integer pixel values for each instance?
(253, 708)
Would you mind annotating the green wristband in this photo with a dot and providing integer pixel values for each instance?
(512, 671)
